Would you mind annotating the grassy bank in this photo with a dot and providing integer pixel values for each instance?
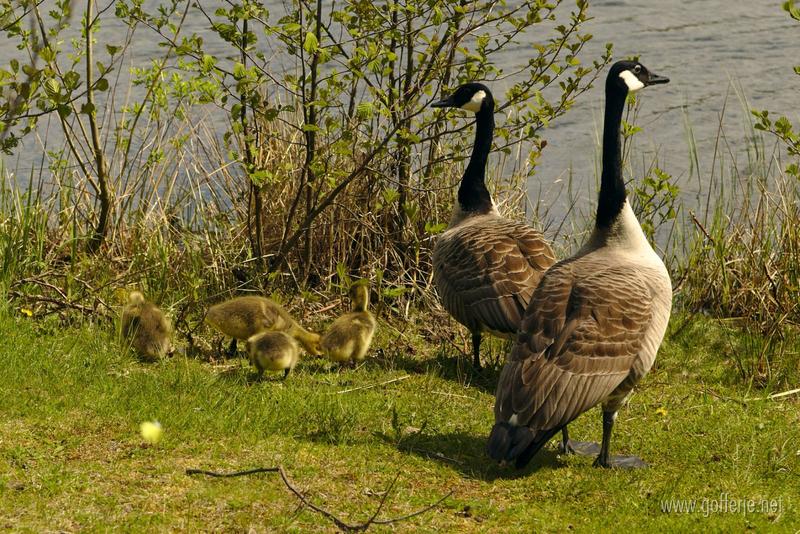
(71, 457)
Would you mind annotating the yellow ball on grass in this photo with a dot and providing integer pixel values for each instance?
(151, 431)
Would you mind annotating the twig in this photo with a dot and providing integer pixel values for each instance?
(413, 514)
(60, 304)
(743, 402)
(446, 394)
(702, 228)
(328, 307)
(369, 386)
(776, 395)
(784, 393)
(234, 474)
(433, 454)
(345, 527)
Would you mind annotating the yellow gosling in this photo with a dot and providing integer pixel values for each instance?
(242, 317)
(273, 351)
(146, 327)
(349, 337)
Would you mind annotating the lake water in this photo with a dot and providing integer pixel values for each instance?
(702, 46)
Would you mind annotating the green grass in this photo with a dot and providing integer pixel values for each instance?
(71, 457)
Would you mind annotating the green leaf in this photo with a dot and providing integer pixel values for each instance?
(364, 110)
(239, 71)
(435, 228)
(87, 109)
(790, 8)
(101, 85)
(47, 54)
(52, 87)
(72, 79)
(208, 62)
(291, 27)
(310, 44)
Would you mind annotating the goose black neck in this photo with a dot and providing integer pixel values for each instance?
(612, 187)
(472, 194)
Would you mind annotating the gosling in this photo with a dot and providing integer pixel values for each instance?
(274, 351)
(146, 327)
(348, 338)
(243, 317)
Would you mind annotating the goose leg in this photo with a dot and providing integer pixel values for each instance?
(231, 352)
(286, 373)
(581, 448)
(603, 459)
(476, 350)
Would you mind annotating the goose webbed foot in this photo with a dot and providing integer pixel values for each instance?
(620, 462)
(604, 459)
(580, 448)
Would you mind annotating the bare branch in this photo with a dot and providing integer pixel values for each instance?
(345, 527)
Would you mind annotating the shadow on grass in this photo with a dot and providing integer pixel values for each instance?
(452, 366)
(236, 373)
(466, 454)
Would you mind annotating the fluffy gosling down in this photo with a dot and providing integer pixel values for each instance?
(348, 338)
(273, 351)
(146, 327)
(241, 318)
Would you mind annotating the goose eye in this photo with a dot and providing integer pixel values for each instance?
(637, 69)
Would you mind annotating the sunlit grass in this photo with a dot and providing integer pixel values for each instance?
(71, 457)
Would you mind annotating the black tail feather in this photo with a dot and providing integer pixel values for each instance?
(506, 441)
(509, 443)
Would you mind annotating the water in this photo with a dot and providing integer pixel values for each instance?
(702, 48)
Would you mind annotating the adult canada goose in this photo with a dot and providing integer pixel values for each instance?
(596, 320)
(349, 337)
(275, 351)
(485, 266)
(146, 327)
(243, 317)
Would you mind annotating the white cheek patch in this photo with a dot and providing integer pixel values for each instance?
(630, 79)
(474, 105)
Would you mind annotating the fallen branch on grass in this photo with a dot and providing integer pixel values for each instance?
(345, 527)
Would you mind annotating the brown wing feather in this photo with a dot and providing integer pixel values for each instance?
(578, 341)
(486, 272)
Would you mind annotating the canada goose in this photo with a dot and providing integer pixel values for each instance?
(243, 317)
(485, 267)
(146, 327)
(275, 351)
(596, 320)
(349, 337)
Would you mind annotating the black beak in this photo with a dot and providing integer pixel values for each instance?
(444, 103)
(656, 79)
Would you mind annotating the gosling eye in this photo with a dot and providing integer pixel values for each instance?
(637, 69)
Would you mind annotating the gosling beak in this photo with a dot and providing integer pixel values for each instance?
(656, 79)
